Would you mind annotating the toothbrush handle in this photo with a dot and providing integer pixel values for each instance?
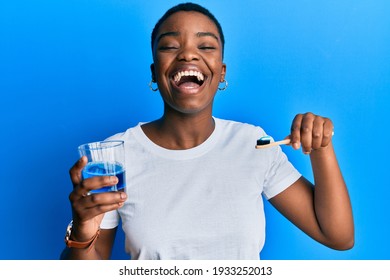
(281, 142)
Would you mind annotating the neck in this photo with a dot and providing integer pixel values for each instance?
(180, 132)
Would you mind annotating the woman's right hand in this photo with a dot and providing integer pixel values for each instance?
(88, 210)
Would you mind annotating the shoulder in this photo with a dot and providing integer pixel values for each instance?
(235, 127)
(125, 135)
(238, 136)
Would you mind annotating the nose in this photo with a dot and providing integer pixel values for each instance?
(188, 53)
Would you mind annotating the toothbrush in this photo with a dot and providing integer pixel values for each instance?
(265, 142)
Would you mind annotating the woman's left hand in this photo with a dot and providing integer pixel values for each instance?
(310, 131)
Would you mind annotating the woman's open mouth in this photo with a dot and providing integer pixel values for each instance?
(188, 79)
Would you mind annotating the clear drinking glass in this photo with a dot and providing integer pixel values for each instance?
(105, 158)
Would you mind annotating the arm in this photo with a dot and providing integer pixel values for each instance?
(322, 210)
(88, 212)
(100, 251)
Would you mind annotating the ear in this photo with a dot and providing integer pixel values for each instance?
(223, 72)
(153, 72)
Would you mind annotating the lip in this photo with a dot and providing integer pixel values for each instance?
(187, 68)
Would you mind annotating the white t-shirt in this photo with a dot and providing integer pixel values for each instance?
(200, 203)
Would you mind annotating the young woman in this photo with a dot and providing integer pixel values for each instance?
(195, 183)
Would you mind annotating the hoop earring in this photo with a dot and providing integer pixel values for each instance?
(151, 86)
(225, 86)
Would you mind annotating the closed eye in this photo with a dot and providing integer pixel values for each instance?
(166, 48)
(207, 48)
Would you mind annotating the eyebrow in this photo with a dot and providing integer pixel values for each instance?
(175, 34)
(204, 34)
(172, 33)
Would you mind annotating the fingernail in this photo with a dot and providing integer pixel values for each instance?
(123, 195)
(113, 179)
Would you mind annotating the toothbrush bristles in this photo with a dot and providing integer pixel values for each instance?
(264, 140)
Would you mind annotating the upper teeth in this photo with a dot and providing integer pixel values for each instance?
(180, 74)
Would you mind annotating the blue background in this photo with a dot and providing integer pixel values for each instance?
(75, 71)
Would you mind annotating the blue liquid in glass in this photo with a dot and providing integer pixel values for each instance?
(106, 169)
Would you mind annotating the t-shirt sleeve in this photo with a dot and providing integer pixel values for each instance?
(280, 176)
(110, 220)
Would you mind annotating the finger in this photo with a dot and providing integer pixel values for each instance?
(104, 199)
(296, 132)
(328, 132)
(318, 132)
(97, 210)
(75, 171)
(307, 132)
(94, 183)
(96, 204)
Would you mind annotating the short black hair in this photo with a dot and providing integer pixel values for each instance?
(188, 7)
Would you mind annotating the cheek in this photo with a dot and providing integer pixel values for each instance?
(161, 63)
(219, 73)
(160, 70)
(217, 66)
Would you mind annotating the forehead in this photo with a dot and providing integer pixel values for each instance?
(182, 20)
